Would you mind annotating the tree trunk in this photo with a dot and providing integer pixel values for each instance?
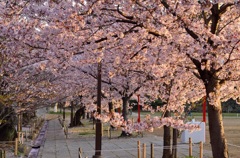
(167, 139)
(110, 107)
(71, 121)
(77, 117)
(216, 130)
(174, 143)
(124, 113)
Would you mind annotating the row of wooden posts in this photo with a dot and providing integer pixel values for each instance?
(152, 149)
(2, 154)
(144, 152)
(21, 134)
(65, 127)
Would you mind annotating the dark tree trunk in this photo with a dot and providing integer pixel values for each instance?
(110, 107)
(216, 130)
(71, 119)
(124, 113)
(174, 143)
(212, 84)
(77, 117)
(167, 139)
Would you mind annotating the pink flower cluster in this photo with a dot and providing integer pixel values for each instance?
(148, 124)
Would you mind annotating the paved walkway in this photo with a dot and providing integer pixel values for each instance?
(57, 146)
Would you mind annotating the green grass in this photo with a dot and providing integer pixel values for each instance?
(59, 113)
(224, 114)
(90, 132)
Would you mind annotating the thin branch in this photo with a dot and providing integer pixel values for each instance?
(124, 15)
(229, 57)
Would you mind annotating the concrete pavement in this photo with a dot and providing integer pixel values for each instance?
(56, 145)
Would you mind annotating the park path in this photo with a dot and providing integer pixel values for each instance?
(56, 145)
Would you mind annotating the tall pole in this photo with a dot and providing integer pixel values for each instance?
(98, 139)
(138, 109)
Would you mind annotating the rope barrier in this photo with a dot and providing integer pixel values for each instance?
(130, 149)
(4, 142)
(233, 145)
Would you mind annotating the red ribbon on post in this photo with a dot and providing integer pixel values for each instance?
(204, 108)
(138, 109)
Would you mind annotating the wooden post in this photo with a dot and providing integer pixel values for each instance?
(201, 150)
(144, 150)
(66, 132)
(108, 132)
(21, 120)
(79, 153)
(102, 130)
(16, 147)
(19, 135)
(63, 123)
(22, 138)
(26, 136)
(2, 154)
(34, 125)
(139, 149)
(152, 150)
(190, 147)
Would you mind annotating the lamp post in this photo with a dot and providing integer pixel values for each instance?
(98, 134)
(138, 109)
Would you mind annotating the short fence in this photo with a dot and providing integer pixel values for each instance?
(65, 127)
(22, 137)
(2, 154)
(143, 149)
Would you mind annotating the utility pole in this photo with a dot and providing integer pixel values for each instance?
(98, 140)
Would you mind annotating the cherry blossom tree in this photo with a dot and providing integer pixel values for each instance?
(200, 36)
(206, 33)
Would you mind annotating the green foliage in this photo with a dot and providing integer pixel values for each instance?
(4, 99)
(230, 106)
(227, 106)
(154, 104)
(157, 102)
